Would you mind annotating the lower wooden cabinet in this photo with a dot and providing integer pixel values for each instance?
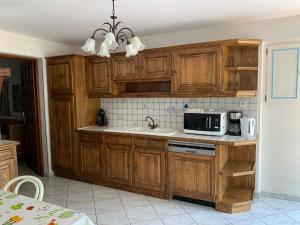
(8, 163)
(118, 163)
(192, 176)
(149, 169)
(91, 160)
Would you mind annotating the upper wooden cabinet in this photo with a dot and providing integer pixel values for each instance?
(125, 68)
(60, 79)
(98, 75)
(193, 176)
(196, 70)
(156, 65)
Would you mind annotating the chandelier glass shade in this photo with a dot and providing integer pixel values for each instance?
(114, 37)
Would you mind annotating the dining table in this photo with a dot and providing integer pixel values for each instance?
(16, 209)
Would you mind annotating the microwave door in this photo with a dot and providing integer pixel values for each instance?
(194, 121)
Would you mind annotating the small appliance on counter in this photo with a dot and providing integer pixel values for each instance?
(234, 123)
(102, 118)
(248, 127)
(205, 122)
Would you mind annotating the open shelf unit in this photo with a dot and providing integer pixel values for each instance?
(241, 68)
(236, 178)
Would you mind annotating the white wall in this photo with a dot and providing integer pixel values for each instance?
(17, 44)
(278, 158)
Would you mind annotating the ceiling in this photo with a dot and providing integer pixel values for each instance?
(72, 21)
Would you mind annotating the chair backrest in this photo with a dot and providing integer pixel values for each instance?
(39, 187)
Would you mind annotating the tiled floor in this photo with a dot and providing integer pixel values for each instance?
(114, 207)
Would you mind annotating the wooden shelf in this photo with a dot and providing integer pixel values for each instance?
(242, 68)
(237, 168)
(145, 94)
(246, 93)
(235, 196)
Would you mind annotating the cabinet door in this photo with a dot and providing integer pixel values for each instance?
(90, 155)
(118, 163)
(6, 171)
(62, 133)
(98, 74)
(125, 69)
(149, 169)
(156, 66)
(196, 70)
(192, 176)
(60, 79)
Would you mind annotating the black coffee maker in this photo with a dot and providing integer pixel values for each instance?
(102, 118)
(234, 123)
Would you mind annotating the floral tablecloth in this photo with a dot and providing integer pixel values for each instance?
(20, 210)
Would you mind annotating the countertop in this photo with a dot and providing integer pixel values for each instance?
(180, 135)
(4, 143)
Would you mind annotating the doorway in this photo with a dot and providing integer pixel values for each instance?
(20, 110)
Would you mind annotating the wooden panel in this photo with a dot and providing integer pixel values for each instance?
(90, 161)
(118, 163)
(196, 70)
(90, 137)
(62, 132)
(118, 139)
(60, 80)
(6, 171)
(98, 75)
(125, 69)
(150, 143)
(192, 176)
(156, 66)
(149, 169)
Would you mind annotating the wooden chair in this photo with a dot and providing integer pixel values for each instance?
(39, 187)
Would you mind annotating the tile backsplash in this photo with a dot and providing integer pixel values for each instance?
(168, 112)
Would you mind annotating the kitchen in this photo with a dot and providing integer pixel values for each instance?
(176, 132)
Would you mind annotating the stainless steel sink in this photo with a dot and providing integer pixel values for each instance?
(144, 130)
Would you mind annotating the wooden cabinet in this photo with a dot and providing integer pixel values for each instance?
(196, 70)
(98, 75)
(70, 108)
(60, 79)
(149, 168)
(125, 68)
(192, 176)
(8, 162)
(90, 157)
(156, 65)
(62, 132)
(118, 159)
(118, 163)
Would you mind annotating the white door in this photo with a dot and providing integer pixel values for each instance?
(280, 122)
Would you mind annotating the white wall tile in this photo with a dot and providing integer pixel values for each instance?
(168, 112)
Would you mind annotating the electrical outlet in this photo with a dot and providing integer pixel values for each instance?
(244, 104)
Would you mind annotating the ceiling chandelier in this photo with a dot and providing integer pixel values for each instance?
(114, 37)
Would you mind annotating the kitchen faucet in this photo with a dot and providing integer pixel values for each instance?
(151, 125)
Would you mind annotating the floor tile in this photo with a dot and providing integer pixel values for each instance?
(195, 208)
(140, 214)
(238, 217)
(107, 205)
(150, 222)
(250, 222)
(278, 219)
(134, 201)
(209, 218)
(179, 220)
(168, 209)
(117, 217)
(295, 215)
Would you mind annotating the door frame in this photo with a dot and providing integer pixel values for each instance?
(37, 101)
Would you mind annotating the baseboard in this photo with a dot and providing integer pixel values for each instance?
(279, 196)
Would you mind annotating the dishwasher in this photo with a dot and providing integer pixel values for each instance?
(192, 148)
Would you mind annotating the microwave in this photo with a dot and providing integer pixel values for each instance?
(205, 122)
